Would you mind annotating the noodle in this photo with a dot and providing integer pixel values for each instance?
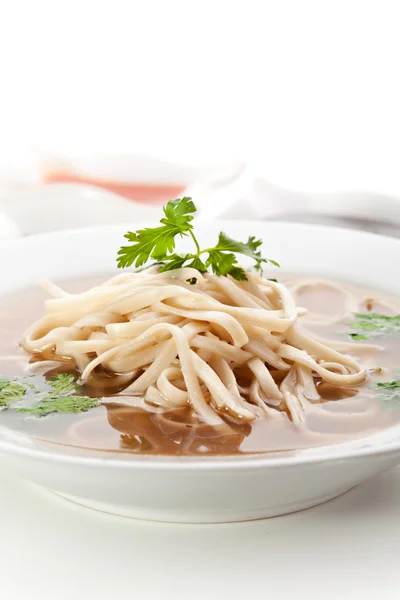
(219, 346)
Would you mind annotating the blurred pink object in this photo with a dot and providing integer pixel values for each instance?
(136, 177)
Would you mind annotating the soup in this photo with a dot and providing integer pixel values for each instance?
(279, 389)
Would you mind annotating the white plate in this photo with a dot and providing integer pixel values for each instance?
(206, 489)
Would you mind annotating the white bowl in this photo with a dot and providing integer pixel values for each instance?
(203, 489)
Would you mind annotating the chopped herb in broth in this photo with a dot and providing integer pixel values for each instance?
(10, 391)
(40, 396)
(368, 325)
(389, 391)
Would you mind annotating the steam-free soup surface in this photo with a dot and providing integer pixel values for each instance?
(116, 426)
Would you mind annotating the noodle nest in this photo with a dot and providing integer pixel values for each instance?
(221, 346)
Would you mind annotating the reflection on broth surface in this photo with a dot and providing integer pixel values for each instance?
(123, 421)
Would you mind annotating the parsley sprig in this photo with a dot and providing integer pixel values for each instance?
(158, 243)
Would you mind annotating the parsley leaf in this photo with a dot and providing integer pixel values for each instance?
(250, 248)
(158, 243)
(238, 273)
(174, 262)
(223, 263)
(177, 212)
(369, 325)
(198, 264)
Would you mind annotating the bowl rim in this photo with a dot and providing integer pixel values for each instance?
(293, 225)
(378, 444)
(76, 456)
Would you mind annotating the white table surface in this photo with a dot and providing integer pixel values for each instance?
(345, 549)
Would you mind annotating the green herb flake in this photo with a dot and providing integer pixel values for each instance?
(10, 391)
(367, 325)
(158, 243)
(388, 385)
(389, 391)
(63, 384)
(40, 396)
(64, 405)
(358, 337)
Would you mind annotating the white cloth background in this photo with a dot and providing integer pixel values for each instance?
(233, 192)
(307, 91)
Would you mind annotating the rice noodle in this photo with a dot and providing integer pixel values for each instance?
(216, 345)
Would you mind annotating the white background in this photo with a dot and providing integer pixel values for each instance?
(307, 90)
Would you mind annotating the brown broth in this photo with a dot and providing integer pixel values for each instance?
(347, 414)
